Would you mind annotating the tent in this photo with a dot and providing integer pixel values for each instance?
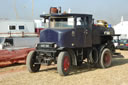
(122, 28)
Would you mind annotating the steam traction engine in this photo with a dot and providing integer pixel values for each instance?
(69, 40)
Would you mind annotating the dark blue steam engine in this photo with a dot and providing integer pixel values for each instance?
(71, 40)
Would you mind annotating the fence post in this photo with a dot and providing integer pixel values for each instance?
(22, 34)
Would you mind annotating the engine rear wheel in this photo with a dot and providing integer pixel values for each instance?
(63, 63)
(105, 58)
(31, 66)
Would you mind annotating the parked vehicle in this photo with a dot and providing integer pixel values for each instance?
(5, 42)
(123, 44)
(116, 42)
(69, 40)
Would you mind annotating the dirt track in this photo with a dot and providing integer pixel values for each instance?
(115, 75)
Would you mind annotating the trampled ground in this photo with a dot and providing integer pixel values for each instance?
(115, 75)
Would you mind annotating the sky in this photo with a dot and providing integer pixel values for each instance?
(109, 10)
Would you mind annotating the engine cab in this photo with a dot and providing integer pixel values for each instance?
(68, 30)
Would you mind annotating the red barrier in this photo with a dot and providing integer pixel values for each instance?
(14, 56)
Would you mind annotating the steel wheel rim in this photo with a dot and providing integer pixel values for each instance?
(107, 58)
(66, 63)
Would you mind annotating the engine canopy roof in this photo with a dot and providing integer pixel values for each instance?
(65, 15)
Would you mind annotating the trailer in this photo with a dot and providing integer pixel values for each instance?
(16, 27)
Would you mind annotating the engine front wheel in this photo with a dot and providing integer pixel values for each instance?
(31, 66)
(63, 63)
(105, 58)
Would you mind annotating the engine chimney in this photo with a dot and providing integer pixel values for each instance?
(53, 10)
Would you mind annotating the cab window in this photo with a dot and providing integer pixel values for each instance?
(62, 22)
(80, 22)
